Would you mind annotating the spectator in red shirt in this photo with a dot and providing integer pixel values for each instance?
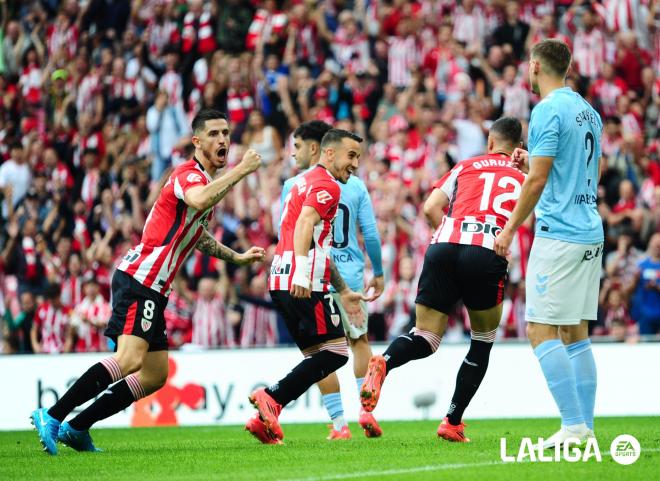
(630, 59)
(604, 92)
(626, 212)
(50, 332)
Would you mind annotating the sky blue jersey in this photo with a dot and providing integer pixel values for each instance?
(354, 209)
(564, 126)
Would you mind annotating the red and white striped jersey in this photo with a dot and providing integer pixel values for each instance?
(171, 231)
(589, 52)
(482, 193)
(89, 319)
(622, 15)
(403, 56)
(607, 93)
(259, 326)
(52, 324)
(198, 28)
(469, 27)
(62, 35)
(171, 82)
(402, 295)
(71, 291)
(210, 326)
(316, 188)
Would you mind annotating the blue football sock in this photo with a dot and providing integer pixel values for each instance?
(559, 374)
(332, 403)
(359, 381)
(584, 366)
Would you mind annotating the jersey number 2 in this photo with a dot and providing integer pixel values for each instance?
(504, 182)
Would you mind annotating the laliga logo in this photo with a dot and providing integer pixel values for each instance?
(625, 449)
(568, 451)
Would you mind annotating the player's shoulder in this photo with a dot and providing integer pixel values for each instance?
(354, 185)
(548, 105)
(319, 175)
(191, 171)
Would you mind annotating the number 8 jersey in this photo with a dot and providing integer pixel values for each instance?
(482, 193)
(316, 188)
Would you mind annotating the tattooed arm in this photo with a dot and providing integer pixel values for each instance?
(336, 280)
(203, 197)
(350, 299)
(209, 246)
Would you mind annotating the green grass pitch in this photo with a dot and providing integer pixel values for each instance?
(407, 451)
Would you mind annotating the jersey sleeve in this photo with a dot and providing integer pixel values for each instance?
(324, 197)
(369, 229)
(186, 179)
(286, 188)
(39, 316)
(599, 135)
(447, 183)
(544, 131)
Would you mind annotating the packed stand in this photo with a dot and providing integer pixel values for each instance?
(97, 99)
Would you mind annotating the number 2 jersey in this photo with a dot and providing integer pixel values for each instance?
(564, 126)
(482, 193)
(316, 188)
(170, 232)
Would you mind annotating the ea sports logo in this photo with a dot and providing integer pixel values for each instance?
(625, 449)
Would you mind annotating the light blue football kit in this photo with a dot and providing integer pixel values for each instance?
(565, 262)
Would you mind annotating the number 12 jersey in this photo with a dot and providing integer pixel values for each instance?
(482, 193)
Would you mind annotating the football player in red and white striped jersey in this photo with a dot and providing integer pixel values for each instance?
(176, 224)
(50, 332)
(300, 279)
(469, 206)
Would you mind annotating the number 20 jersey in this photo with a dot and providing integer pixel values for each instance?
(482, 193)
(316, 188)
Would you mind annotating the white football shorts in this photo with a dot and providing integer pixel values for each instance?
(562, 283)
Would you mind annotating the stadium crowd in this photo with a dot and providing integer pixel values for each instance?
(97, 99)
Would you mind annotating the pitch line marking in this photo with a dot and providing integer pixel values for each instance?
(419, 469)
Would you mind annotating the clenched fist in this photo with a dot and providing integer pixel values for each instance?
(251, 160)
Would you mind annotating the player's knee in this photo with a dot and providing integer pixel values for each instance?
(332, 360)
(129, 363)
(432, 338)
(361, 341)
(160, 380)
(338, 360)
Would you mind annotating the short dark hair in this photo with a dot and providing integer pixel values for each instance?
(312, 130)
(52, 291)
(554, 55)
(203, 115)
(334, 136)
(508, 129)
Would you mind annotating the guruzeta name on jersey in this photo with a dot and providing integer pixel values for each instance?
(482, 193)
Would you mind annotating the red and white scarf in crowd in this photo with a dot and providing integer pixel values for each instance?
(264, 25)
(200, 29)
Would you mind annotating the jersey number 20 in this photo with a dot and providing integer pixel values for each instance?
(345, 220)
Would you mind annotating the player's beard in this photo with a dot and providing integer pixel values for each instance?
(213, 157)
